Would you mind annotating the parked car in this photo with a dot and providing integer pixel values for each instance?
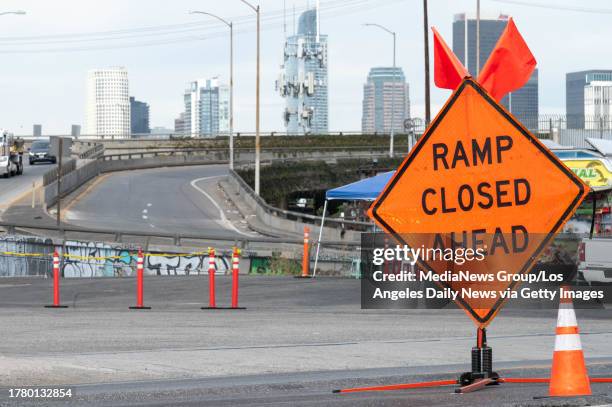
(11, 155)
(596, 260)
(41, 152)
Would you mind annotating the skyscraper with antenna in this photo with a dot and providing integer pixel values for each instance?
(303, 81)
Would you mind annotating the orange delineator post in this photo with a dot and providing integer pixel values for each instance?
(211, 278)
(140, 282)
(56, 282)
(235, 272)
(56, 291)
(306, 258)
(212, 303)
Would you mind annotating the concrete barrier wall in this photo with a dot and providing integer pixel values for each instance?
(32, 257)
(269, 218)
(156, 162)
(72, 181)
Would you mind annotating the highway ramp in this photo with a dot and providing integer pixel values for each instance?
(184, 200)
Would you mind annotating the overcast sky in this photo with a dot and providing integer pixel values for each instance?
(44, 71)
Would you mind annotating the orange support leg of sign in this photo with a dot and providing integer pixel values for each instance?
(402, 386)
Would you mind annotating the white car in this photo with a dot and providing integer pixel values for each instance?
(7, 167)
(595, 257)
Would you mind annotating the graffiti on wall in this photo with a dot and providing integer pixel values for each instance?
(184, 265)
(93, 259)
(19, 265)
(32, 256)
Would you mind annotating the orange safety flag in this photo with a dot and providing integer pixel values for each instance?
(510, 64)
(448, 70)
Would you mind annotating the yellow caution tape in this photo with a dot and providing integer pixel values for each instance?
(85, 258)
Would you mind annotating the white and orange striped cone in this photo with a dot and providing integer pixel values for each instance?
(568, 375)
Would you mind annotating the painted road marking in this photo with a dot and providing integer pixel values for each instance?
(224, 219)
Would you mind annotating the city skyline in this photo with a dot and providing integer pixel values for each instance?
(158, 73)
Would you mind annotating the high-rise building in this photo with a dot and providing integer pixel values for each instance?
(385, 99)
(179, 124)
(584, 97)
(206, 108)
(108, 103)
(37, 131)
(75, 131)
(303, 81)
(522, 103)
(598, 105)
(139, 117)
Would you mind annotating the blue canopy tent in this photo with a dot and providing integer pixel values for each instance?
(366, 189)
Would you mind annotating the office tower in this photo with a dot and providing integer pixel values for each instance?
(179, 124)
(303, 81)
(522, 103)
(108, 104)
(37, 131)
(587, 98)
(206, 108)
(75, 131)
(386, 88)
(139, 117)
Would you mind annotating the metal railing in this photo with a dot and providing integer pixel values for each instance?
(298, 216)
(51, 176)
(182, 136)
(164, 153)
(94, 152)
(177, 238)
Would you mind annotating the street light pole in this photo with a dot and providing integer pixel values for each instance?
(257, 136)
(426, 48)
(392, 136)
(392, 133)
(477, 38)
(230, 24)
(59, 183)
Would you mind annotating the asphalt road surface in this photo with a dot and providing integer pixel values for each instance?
(15, 187)
(296, 342)
(168, 200)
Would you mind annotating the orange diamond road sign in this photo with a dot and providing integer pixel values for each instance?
(478, 175)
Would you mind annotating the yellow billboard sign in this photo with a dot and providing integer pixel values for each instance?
(594, 172)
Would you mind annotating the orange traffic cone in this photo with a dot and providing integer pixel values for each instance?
(569, 376)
